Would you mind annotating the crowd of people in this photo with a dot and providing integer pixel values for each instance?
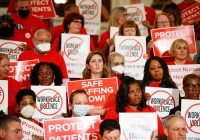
(44, 43)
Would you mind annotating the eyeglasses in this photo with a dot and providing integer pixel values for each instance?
(77, 22)
(163, 22)
(40, 40)
(191, 86)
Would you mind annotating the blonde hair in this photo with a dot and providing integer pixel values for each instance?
(131, 24)
(87, 73)
(115, 14)
(175, 44)
(113, 55)
(155, 25)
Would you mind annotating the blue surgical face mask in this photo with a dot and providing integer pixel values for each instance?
(81, 110)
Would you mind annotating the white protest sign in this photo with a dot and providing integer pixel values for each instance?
(4, 95)
(50, 101)
(190, 112)
(76, 48)
(114, 31)
(91, 10)
(11, 49)
(178, 72)
(138, 126)
(137, 13)
(132, 48)
(163, 99)
(31, 131)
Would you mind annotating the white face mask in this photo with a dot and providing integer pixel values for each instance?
(44, 47)
(118, 69)
(27, 111)
(81, 110)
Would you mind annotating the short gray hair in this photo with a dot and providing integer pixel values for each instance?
(113, 55)
(168, 119)
(41, 30)
(6, 119)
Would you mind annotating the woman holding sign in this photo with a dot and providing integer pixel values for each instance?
(180, 51)
(117, 18)
(26, 100)
(72, 23)
(156, 74)
(13, 85)
(131, 98)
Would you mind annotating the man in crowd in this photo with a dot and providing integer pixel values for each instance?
(26, 24)
(10, 128)
(42, 51)
(109, 129)
(175, 127)
(191, 87)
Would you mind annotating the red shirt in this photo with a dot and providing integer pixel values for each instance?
(112, 114)
(13, 88)
(186, 62)
(50, 56)
(56, 32)
(26, 28)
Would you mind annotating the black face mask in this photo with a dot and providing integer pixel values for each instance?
(23, 13)
(6, 32)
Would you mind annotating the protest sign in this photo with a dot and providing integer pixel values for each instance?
(132, 48)
(31, 131)
(114, 31)
(191, 114)
(42, 9)
(91, 10)
(164, 37)
(11, 49)
(4, 95)
(50, 101)
(137, 13)
(191, 14)
(138, 126)
(21, 71)
(178, 72)
(76, 49)
(101, 92)
(74, 128)
(162, 99)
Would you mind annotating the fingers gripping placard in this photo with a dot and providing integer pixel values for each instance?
(50, 101)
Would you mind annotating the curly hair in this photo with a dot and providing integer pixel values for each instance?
(129, 24)
(69, 18)
(166, 77)
(122, 95)
(87, 73)
(24, 92)
(56, 71)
